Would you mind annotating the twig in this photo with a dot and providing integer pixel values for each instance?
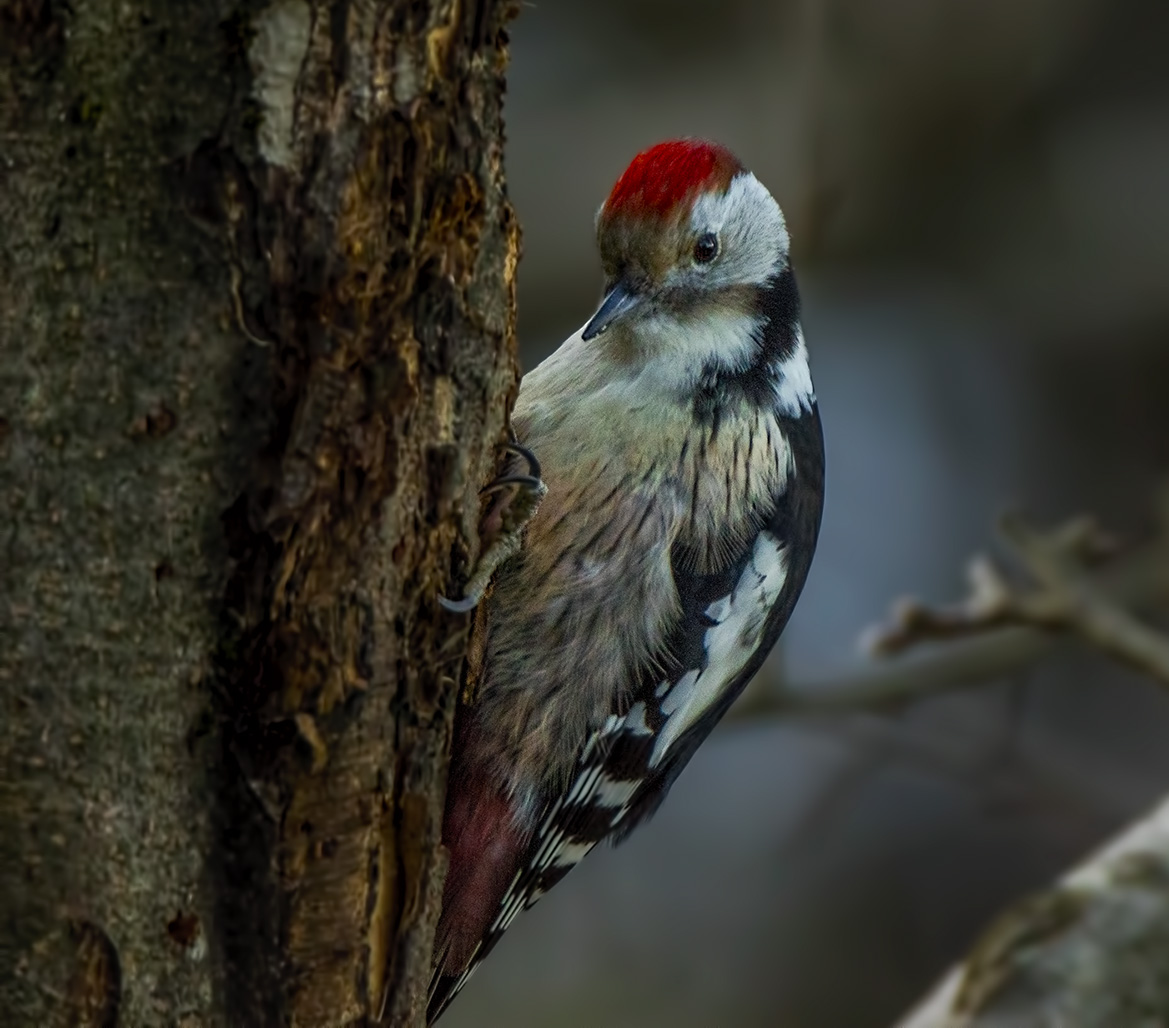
(1063, 597)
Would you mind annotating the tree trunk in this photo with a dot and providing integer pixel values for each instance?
(256, 351)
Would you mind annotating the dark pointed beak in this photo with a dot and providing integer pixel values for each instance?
(620, 301)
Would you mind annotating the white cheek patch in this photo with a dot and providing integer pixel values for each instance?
(729, 644)
(794, 393)
(679, 350)
(751, 229)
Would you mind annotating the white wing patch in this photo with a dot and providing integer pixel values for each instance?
(614, 792)
(635, 722)
(572, 853)
(729, 644)
(751, 225)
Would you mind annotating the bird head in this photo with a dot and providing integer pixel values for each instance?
(688, 237)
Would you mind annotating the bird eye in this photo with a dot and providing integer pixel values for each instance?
(706, 249)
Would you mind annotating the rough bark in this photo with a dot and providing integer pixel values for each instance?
(1087, 953)
(256, 350)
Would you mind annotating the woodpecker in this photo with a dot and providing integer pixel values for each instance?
(675, 468)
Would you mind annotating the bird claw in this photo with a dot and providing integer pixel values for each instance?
(463, 606)
(522, 451)
(513, 516)
(533, 482)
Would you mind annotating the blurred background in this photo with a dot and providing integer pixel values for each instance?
(978, 194)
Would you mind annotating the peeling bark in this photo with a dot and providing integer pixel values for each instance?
(256, 352)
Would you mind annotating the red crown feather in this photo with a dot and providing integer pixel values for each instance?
(670, 174)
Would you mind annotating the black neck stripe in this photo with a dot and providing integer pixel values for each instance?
(778, 307)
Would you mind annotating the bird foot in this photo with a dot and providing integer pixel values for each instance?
(502, 528)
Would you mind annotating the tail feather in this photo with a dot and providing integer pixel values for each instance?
(443, 985)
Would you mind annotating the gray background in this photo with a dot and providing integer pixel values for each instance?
(978, 193)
